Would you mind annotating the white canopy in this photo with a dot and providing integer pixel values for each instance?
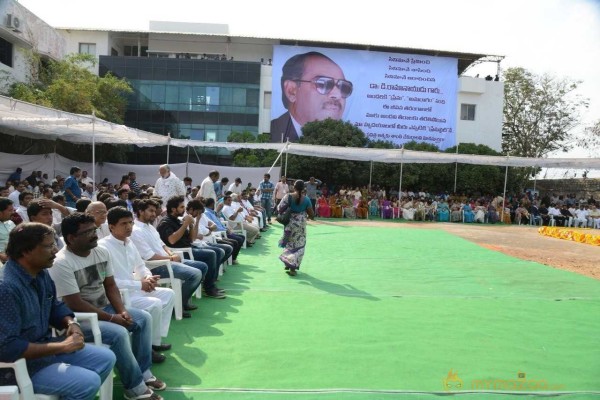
(30, 120)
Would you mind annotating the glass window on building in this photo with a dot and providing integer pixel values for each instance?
(467, 112)
(87, 48)
(6, 52)
(212, 98)
(211, 136)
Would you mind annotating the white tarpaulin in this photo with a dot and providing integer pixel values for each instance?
(54, 164)
(24, 119)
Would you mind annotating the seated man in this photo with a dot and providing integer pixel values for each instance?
(232, 239)
(236, 215)
(97, 209)
(196, 209)
(40, 210)
(83, 275)
(6, 225)
(557, 215)
(62, 366)
(147, 241)
(131, 274)
(24, 199)
(179, 234)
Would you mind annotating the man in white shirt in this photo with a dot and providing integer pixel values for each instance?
(236, 187)
(207, 188)
(131, 273)
(556, 214)
(6, 225)
(236, 214)
(85, 179)
(97, 209)
(250, 210)
(146, 239)
(84, 278)
(168, 185)
(580, 217)
(281, 190)
(25, 198)
(14, 195)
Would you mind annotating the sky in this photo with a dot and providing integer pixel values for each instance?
(558, 37)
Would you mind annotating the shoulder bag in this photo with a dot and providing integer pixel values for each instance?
(284, 218)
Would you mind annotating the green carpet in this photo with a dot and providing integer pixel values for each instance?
(387, 313)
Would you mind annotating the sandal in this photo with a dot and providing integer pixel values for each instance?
(149, 395)
(156, 384)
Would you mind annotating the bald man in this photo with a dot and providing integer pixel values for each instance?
(97, 209)
(168, 185)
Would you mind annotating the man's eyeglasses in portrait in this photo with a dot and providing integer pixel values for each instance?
(325, 85)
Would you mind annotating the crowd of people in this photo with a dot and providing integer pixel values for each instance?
(86, 247)
(526, 208)
(80, 246)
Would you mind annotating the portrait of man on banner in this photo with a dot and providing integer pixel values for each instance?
(313, 88)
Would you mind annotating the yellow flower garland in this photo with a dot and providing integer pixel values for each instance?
(579, 235)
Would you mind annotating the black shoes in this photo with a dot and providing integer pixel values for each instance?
(158, 358)
(162, 347)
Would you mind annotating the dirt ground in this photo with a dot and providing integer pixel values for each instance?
(523, 242)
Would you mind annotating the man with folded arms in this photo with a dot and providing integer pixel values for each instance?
(236, 214)
(180, 234)
(83, 275)
(131, 274)
(61, 366)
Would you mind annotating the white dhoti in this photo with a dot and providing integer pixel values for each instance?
(159, 304)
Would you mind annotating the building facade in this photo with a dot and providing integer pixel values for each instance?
(196, 81)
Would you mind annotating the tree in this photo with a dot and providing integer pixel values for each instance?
(332, 171)
(69, 85)
(251, 157)
(540, 113)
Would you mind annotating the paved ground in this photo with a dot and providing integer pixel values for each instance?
(523, 242)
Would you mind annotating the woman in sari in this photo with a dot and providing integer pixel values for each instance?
(323, 209)
(294, 233)
(362, 209)
(335, 206)
(469, 215)
(374, 207)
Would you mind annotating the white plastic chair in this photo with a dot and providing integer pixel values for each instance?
(181, 251)
(25, 385)
(238, 227)
(173, 282)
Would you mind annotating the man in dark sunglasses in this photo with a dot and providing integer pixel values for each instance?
(313, 88)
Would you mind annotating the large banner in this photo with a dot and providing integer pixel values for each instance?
(389, 96)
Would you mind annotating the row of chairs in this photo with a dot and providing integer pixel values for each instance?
(24, 388)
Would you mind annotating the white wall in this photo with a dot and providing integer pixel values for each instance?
(74, 37)
(488, 97)
(33, 35)
(266, 88)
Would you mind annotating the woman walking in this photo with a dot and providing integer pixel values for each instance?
(294, 233)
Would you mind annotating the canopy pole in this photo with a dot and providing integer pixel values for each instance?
(168, 145)
(534, 179)
(504, 194)
(286, 160)
(94, 149)
(54, 159)
(456, 169)
(370, 175)
(279, 156)
(187, 162)
(401, 165)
